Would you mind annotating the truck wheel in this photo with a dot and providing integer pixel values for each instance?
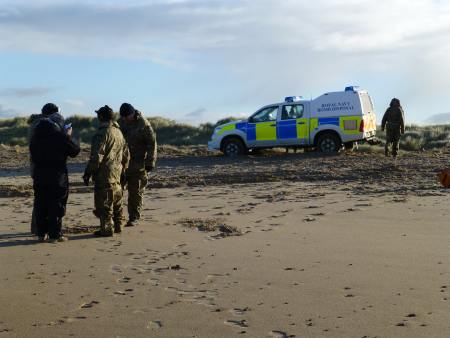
(328, 143)
(233, 147)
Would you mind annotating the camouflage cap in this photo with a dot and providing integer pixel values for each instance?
(105, 113)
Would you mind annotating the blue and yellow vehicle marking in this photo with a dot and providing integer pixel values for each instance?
(303, 128)
(350, 124)
(329, 120)
(287, 129)
(226, 128)
(290, 129)
(266, 131)
(313, 124)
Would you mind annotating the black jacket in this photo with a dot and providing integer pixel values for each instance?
(394, 115)
(49, 149)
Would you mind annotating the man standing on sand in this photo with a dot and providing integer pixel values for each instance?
(50, 146)
(141, 140)
(394, 122)
(47, 110)
(106, 166)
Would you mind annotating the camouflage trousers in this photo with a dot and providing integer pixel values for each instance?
(136, 188)
(108, 207)
(392, 138)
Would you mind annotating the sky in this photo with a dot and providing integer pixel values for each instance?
(197, 61)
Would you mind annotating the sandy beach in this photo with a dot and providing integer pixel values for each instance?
(271, 245)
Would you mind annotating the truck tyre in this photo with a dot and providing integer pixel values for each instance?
(328, 143)
(233, 147)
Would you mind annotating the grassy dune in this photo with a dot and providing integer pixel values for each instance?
(15, 132)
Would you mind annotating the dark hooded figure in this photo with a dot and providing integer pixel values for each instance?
(47, 110)
(394, 122)
(50, 146)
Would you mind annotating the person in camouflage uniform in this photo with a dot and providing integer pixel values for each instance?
(47, 110)
(107, 164)
(141, 140)
(394, 123)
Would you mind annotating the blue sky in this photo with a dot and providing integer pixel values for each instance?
(196, 61)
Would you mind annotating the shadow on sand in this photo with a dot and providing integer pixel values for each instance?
(25, 238)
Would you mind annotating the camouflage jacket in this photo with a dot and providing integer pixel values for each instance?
(394, 116)
(109, 155)
(141, 140)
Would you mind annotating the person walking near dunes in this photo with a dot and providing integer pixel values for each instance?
(394, 123)
(141, 140)
(50, 145)
(106, 166)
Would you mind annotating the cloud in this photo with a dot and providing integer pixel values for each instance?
(75, 103)
(199, 25)
(268, 47)
(443, 118)
(25, 92)
(195, 117)
(197, 113)
(7, 112)
(248, 37)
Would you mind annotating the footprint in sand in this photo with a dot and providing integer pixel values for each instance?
(281, 334)
(124, 279)
(211, 278)
(239, 312)
(239, 323)
(153, 281)
(154, 325)
(363, 205)
(318, 214)
(116, 268)
(180, 280)
(89, 305)
(202, 297)
(352, 209)
(73, 319)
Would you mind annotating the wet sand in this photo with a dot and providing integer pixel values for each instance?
(294, 245)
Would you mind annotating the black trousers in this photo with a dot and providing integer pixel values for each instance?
(49, 209)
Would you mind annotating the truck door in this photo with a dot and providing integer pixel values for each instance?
(262, 128)
(293, 125)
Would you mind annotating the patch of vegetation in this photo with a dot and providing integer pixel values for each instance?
(418, 138)
(169, 132)
(210, 225)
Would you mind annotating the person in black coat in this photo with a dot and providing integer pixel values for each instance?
(47, 110)
(50, 146)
